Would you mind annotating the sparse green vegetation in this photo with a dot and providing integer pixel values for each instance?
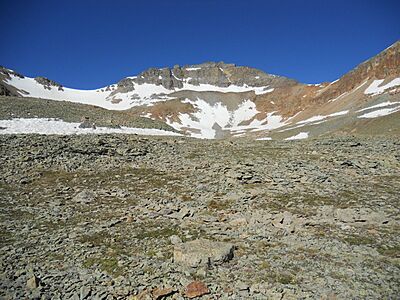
(106, 264)
(359, 240)
(218, 204)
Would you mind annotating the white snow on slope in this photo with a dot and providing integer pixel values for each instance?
(376, 89)
(203, 119)
(37, 90)
(319, 117)
(272, 121)
(334, 81)
(230, 89)
(99, 97)
(207, 116)
(53, 126)
(264, 139)
(300, 136)
(380, 113)
(383, 104)
(143, 94)
(315, 120)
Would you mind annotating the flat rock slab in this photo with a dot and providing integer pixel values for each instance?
(196, 289)
(203, 253)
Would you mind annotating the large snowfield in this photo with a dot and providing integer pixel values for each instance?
(106, 97)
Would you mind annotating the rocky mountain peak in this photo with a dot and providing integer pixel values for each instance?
(213, 73)
(48, 83)
(4, 72)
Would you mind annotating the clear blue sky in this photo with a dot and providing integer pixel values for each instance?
(89, 44)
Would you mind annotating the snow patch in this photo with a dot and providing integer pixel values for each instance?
(207, 116)
(300, 136)
(314, 120)
(383, 104)
(264, 139)
(379, 113)
(54, 126)
(272, 121)
(334, 81)
(319, 117)
(376, 89)
(230, 89)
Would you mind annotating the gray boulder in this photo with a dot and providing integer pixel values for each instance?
(84, 197)
(203, 253)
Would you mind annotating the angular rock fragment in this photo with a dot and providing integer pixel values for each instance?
(86, 123)
(33, 282)
(196, 289)
(203, 252)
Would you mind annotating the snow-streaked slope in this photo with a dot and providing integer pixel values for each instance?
(270, 122)
(53, 126)
(380, 113)
(202, 123)
(319, 117)
(383, 104)
(109, 98)
(230, 89)
(375, 88)
(349, 92)
(207, 115)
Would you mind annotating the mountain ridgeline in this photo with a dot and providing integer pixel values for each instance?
(219, 100)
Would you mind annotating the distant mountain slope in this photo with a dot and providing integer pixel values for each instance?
(151, 86)
(216, 100)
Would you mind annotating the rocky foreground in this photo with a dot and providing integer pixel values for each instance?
(127, 217)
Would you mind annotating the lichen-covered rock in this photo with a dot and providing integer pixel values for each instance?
(203, 252)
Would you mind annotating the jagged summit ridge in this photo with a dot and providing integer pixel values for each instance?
(218, 74)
